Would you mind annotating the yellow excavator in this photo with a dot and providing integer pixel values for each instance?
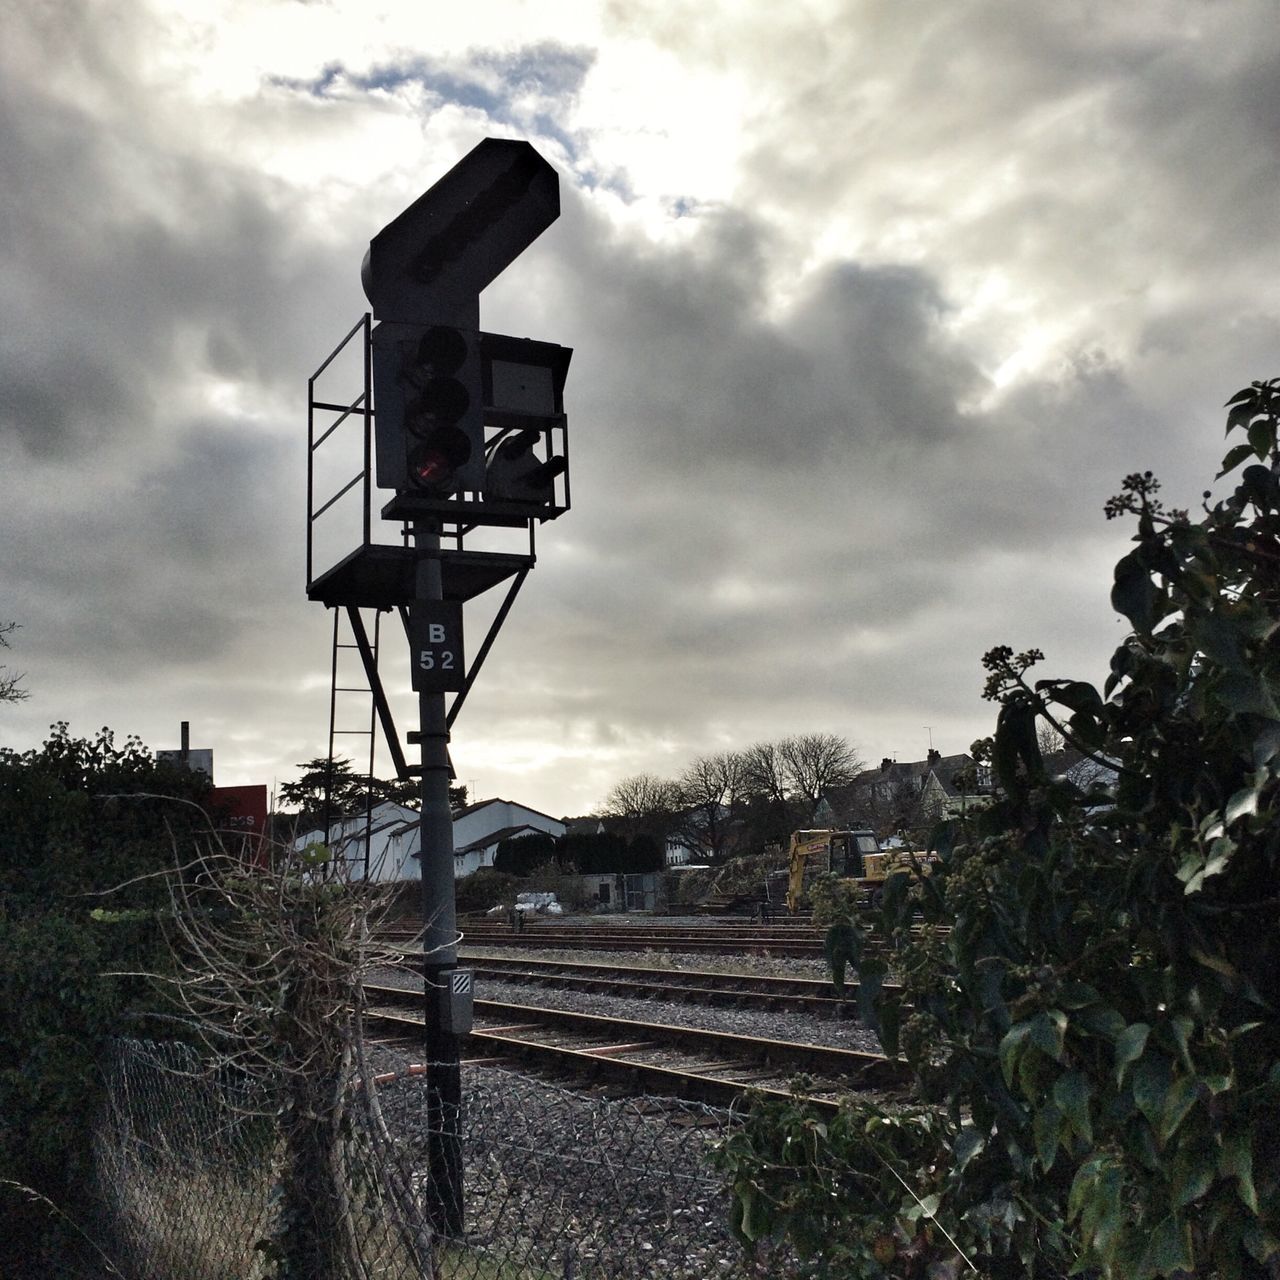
(854, 855)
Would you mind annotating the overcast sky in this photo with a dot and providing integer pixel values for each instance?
(872, 306)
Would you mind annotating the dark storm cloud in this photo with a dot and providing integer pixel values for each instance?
(808, 491)
(704, 383)
(166, 563)
(122, 248)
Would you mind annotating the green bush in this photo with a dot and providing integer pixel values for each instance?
(1089, 990)
(74, 828)
(485, 888)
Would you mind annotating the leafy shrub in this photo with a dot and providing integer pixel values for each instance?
(74, 826)
(1089, 988)
(484, 888)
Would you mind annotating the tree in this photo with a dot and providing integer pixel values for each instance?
(768, 814)
(783, 780)
(709, 797)
(347, 791)
(643, 804)
(1048, 739)
(519, 855)
(814, 762)
(1088, 978)
(593, 851)
(10, 682)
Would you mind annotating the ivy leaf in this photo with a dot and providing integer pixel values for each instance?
(1134, 594)
(1011, 1049)
(1152, 1079)
(1168, 1251)
(1046, 1128)
(1077, 995)
(1181, 1096)
(1048, 1030)
(1262, 1245)
(1175, 1034)
(1247, 694)
(1262, 436)
(842, 945)
(1234, 457)
(1215, 637)
(1191, 1173)
(1102, 1021)
(1072, 1092)
(968, 1144)
(1129, 1047)
(1236, 1161)
(890, 1019)
(1076, 695)
(1243, 804)
(870, 985)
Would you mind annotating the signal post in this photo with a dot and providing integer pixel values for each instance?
(469, 431)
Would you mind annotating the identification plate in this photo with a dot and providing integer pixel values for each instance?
(435, 637)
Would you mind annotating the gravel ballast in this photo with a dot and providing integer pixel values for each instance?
(764, 1024)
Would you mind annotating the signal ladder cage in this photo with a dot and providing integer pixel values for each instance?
(381, 576)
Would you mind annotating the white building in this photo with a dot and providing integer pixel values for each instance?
(392, 856)
(394, 835)
(480, 828)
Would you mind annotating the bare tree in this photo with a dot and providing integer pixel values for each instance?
(1048, 739)
(768, 814)
(709, 791)
(644, 804)
(10, 681)
(813, 762)
(763, 773)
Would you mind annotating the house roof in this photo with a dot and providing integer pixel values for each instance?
(484, 804)
(496, 837)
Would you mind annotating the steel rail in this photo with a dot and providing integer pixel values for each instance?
(815, 995)
(725, 1064)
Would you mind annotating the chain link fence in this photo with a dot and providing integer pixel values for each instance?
(559, 1184)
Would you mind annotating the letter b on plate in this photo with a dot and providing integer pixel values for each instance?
(435, 636)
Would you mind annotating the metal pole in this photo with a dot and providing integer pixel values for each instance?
(439, 921)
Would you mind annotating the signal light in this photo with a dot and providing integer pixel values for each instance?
(429, 415)
(436, 402)
(516, 473)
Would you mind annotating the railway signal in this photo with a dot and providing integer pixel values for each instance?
(438, 385)
(429, 415)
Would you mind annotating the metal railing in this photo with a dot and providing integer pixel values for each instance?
(362, 405)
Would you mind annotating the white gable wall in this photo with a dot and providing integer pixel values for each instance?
(494, 815)
(393, 847)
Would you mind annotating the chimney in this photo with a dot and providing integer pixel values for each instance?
(185, 755)
(886, 764)
(934, 756)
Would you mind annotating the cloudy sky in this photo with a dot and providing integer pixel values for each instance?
(872, 306)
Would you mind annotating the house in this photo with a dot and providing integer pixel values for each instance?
(898, 797)
(394, 833)
(389, 853)
(905, 797)
(479, 828)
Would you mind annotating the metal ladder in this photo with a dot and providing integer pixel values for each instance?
(367, 648)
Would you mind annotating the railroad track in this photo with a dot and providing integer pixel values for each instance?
(794, 944)
(686, 1062)
(744, 990)
(790, 941)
